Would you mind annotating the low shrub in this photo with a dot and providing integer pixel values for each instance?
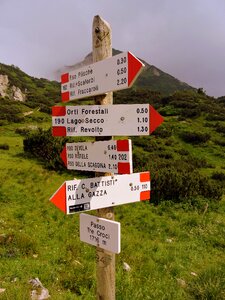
(4, 146)
(181, 185)
(190, 113)
(220, 176)
(22, 131)
(220, 128)
(43, 145)
(194, 137)
(220, 142)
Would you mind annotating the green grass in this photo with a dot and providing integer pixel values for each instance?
(175, 251)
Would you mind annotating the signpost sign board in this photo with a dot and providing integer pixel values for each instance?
(105, 120)
(100, 232)
(101, 192)
(113, 156)
(111, 74)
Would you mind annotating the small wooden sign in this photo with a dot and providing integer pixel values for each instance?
(100, 232)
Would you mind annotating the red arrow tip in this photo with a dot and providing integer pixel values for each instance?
(63, 155)
(134, 68)
(59, 198)
(155, 119)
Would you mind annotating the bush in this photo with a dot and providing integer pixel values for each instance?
(45, 109)
(163, 132)
(22, 131)
(220, 128)
(215, 117)
(220, 176)
(44, 146)
(220, 142)
(190, 113)
(194, 137)
(180, 185)
(4, 146)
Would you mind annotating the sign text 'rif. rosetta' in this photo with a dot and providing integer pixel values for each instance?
(100, 232)
(112, 74)
(113, 156)
(105, 120)
(100, 192)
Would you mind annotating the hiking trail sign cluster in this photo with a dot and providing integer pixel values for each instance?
(114, 156)
(105, 75)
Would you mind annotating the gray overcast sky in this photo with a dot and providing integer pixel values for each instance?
(185, 38)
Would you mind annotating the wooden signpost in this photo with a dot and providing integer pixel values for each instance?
(105, 156)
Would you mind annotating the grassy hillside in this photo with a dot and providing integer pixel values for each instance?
(39, 92)
(174, 244)
(175, 251)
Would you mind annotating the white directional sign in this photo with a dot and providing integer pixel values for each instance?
(105, 120)
(112, 74)
(100, 232)
(103, 156)
(99, 192)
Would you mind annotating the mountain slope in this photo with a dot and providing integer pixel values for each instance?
(35, 90)
(156, 80)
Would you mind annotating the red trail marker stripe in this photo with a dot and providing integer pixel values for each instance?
(65, 96)
(124, 168)
(145, 176)
(59, 131)
(65, 78)
(122, 145)
(58, 111)
(144, 195)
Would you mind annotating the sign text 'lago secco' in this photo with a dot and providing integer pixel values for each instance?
(113, 156)
(111, 74)
(100, 192)
(105, 120)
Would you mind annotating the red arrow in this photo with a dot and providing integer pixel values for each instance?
(134, 68)
(59, 198)
(156, 119)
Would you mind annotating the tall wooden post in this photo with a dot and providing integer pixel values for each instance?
(102, 49)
